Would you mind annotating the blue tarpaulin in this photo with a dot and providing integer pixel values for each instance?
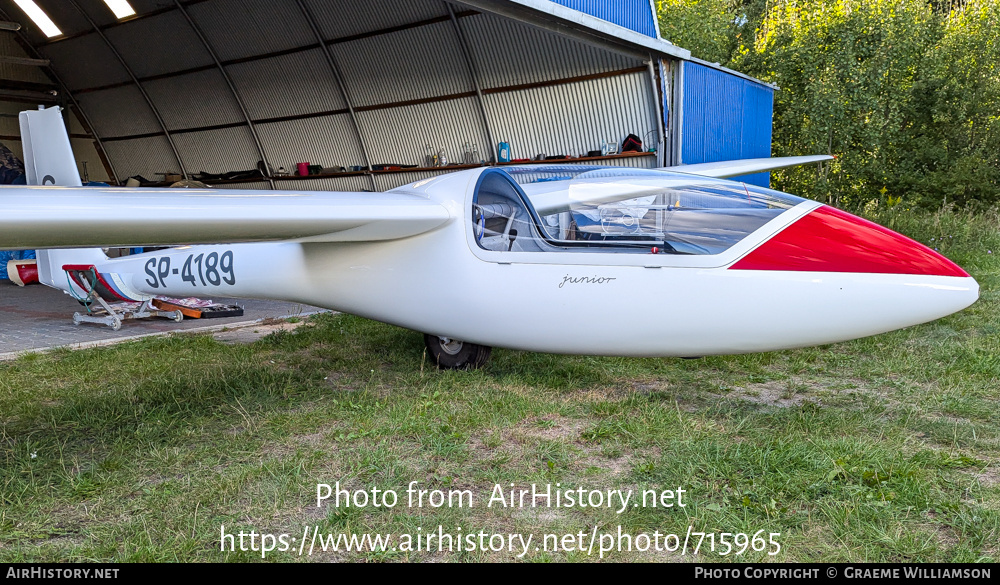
(11, 173)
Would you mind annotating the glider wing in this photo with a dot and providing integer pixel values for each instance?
(59, 217)
(735, 168)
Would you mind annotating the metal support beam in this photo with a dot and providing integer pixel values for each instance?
(135, 80)
(18, 85)
(474, 74)
(28, 97)
(232, 89)
(65, 91)
(658, 112)
(24, 61)
(339, 79)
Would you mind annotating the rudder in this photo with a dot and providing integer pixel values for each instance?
(48, 155)
(49, 160)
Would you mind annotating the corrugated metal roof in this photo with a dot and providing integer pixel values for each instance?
(218, 151)
(11, 108)
(590, 29)
(583, 87)
(97, 10)
(405, 65)
(144, 6)
(253, 185)
(241, 28)
(84, 62)
(510, 53)
(75, 127)
(194, 99)
(10, 47)
(350, 183)
(85, 151)
(572, 119)
(9, 126)
(401, 135)
(142, 156)
(15, 147)
(326, 141)
(62, 14)
(386, 181)
(120, 111)
(644, 162)
(635, 15)
(158, 44)
(287, 85)
(342, 19)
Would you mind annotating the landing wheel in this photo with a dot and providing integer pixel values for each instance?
(451, 354)
(178, 316)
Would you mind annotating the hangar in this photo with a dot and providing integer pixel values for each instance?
(338, 95)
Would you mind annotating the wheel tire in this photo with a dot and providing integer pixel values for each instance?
(116, 324)
(450, 354)
(178, 316)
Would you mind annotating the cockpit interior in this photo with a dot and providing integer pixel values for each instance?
(616, 210)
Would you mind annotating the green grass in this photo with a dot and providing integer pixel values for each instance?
(881, 449)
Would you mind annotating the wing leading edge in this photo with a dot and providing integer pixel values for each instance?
(556, 197)
(63, 217)
(734, 168)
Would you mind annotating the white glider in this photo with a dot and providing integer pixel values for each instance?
(551, 258)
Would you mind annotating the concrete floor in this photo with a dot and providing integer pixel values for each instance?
(38, 317)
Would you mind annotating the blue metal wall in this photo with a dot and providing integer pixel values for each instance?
(725, 117)
(632, 14)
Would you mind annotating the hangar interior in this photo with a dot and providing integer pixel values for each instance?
(372, 95)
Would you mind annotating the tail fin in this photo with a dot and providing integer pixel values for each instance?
(48, 156)
(49, 160)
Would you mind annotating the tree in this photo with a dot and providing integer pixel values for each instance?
(905, 92)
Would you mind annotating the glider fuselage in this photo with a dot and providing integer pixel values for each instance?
(444, 283)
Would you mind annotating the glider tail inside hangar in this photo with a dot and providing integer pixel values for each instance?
(518, 257)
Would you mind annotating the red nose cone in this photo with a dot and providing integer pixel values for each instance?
(830, 240)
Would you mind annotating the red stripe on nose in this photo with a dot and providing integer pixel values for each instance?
(831, 240)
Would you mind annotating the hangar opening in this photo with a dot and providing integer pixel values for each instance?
(349, 96)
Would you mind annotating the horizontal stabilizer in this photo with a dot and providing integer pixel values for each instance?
(58, 217)
(734, 168)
